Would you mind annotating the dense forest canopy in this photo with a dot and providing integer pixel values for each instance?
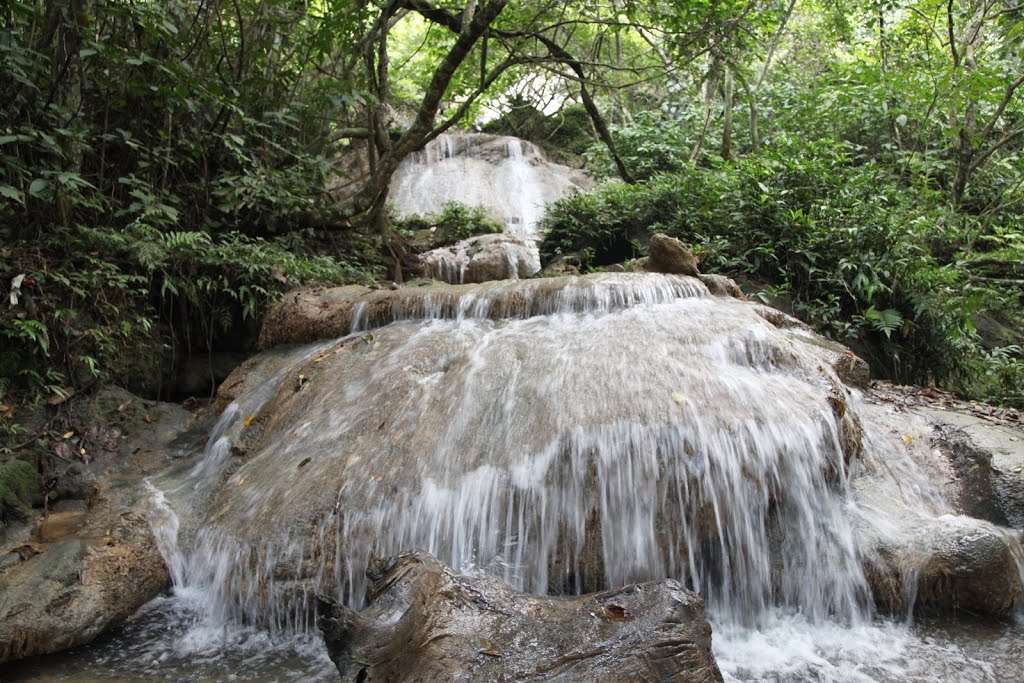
(168, 167)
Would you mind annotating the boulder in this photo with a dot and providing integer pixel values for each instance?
(927, 496)
(77, 588)
(436, 434)
(483, 258)
(90, 561)
(720, 285)
(951, 564)
(668, 255)
(427, 623)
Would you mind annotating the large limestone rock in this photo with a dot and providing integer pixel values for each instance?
(427, 623)
(91, 561)
(547, 428)
(483, 258)
(953, 565)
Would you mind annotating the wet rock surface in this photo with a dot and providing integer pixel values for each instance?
(720, 285)
(89, 561)
(457, 435)
(426, 623)
(309, 315)
(948, 567)
(482, 259)
(945, 546)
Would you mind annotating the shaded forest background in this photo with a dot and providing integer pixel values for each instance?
(168, 167)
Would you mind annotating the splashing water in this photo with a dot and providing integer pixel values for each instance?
(620, 429)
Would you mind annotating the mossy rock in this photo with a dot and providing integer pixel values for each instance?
(19, 489)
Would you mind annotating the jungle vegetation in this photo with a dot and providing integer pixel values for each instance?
(168, 167)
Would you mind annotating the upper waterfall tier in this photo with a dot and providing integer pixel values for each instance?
(308, 315)
(508, 177)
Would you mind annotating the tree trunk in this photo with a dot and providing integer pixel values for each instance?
(727, 92)
(966, 149)
(710, 86)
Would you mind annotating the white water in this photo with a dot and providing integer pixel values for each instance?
(506, 176)
(623, 428)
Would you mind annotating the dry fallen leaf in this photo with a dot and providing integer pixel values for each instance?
(67, 435)
(248, 420)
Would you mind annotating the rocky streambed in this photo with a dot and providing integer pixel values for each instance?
(586, 466)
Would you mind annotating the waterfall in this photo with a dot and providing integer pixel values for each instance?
(508, 177)
(566, 435)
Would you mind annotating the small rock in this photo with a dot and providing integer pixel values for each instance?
(668, 255)
(720, 285)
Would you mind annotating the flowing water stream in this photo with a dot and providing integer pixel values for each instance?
(614, 429)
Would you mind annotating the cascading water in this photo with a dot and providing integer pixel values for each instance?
(566, 435)
(610, 430)
(506, 176)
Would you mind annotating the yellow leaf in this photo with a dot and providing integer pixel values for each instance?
(249, 419)
(908, 439)
(677, 397)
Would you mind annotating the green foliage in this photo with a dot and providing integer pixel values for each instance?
(455, 221)
(564, 135)
(163, 169)
(846, 244)
(652, 143)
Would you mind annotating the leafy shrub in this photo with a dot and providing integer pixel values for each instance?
(153, 200)
(846, 244)
(455, 221)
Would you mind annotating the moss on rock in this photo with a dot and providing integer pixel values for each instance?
(19, 489)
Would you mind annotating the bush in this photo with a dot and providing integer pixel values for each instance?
(455, 221)
(99, 303)
(858, 255)
(565, 135)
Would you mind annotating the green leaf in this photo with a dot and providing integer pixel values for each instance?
(12, 193)
(886, 321)
(39, 187)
